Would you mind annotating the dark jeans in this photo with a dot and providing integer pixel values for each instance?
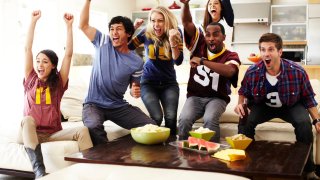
(127, 117)
(161, 99)
(297, 115)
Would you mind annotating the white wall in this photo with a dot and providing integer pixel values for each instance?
(153, 3)
(50, 33)
(289, 2)
(11, 93)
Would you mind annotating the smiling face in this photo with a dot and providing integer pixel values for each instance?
(43, 66)
(158, 24)
(214, 9)
(214, 38)
(271, 57)
(118, 35)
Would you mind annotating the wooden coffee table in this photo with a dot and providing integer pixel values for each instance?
(264, 158)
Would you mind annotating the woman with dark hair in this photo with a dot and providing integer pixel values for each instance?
(217, 10)
(44, 87)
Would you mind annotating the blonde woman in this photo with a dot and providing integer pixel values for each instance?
(163, 46)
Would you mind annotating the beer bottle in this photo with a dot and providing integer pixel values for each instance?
(243, 120)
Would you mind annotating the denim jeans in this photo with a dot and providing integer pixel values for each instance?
(194, 108)
(161, 100)
(297, 115)
(127, 117)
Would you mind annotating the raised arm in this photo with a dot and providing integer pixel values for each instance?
(66, 63)
(89, 31)
(189, 27)
(29, 42)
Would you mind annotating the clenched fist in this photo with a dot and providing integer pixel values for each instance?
(135, 90)
(174, 37)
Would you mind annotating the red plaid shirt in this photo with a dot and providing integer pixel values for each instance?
(293, 84)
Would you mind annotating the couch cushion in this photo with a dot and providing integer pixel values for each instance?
(72, 100)
(14, 156)
(315, 83)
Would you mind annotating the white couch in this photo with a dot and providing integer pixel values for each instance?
(13, 156)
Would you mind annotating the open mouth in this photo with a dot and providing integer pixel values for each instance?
(115, 40)
(40, 71)
(212, 46)
(157, 31)
(268, 61)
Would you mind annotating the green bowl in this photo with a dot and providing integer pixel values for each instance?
(150, 137)
(206, 136)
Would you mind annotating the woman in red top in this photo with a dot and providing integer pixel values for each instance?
(44, 87)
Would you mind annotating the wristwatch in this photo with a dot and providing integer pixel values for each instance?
(201, 60)
(314, 122)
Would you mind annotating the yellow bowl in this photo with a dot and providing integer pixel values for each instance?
(239, 144)
(150, 137)
(206, 136)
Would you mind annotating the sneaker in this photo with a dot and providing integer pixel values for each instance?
(312, 175)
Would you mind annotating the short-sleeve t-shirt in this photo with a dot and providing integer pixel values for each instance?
(42, 103)
(111, 74)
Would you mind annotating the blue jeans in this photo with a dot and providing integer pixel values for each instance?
(161, 99)
(196, 107)
(297, 115)
(127, 117)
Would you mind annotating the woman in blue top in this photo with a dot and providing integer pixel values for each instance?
(163, 46)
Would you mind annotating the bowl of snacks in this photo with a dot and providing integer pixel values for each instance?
(239, 141)
(202, 133)
(254, 57)
(150, 134)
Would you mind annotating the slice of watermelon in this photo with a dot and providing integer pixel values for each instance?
(193, 142)
(184, 144)
(201, 144)
(211, 146)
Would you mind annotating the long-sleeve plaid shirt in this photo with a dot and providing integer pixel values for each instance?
(293, 84)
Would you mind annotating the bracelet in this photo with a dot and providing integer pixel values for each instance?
(314, 122)
(201, 60)
(174, 46)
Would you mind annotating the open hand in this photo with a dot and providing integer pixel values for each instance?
(240, 111)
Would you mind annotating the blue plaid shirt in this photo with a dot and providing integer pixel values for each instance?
(293, 84)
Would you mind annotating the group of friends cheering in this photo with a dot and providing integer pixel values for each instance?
(273, 87)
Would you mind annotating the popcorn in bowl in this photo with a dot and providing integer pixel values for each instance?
(150, 128)
(150, 134)
(239, 141)
(202, 133)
